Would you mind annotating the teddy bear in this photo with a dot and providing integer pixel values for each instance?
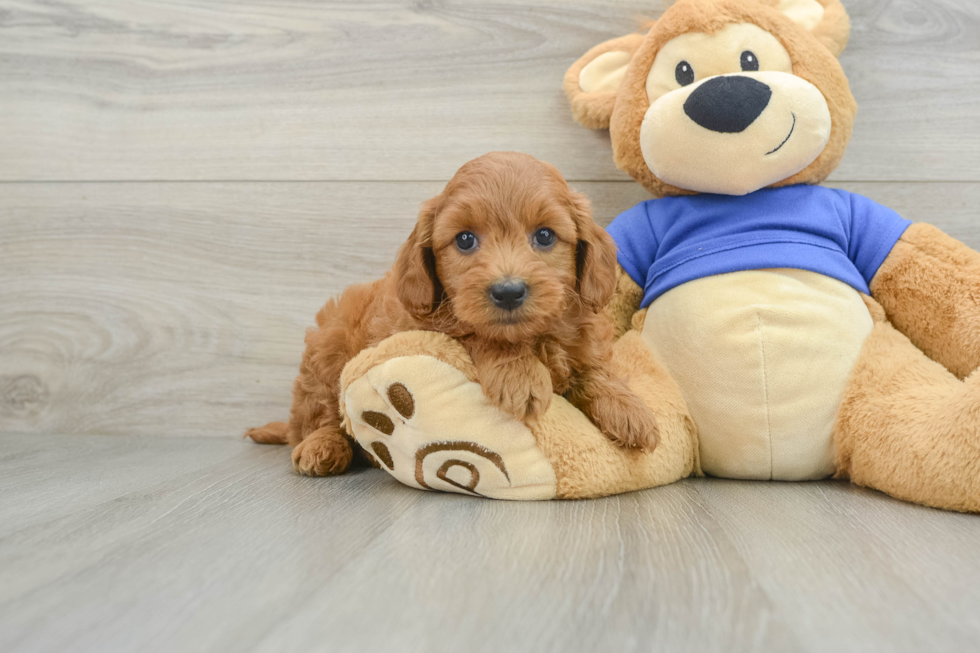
(779, 329)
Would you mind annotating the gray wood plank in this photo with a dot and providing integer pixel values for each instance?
(259, 90)
(819, 551)
(179, 564)
(240, 554)
(643, 572)
(89, 471)
(179, 309)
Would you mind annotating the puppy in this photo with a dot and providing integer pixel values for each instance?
(508, 261)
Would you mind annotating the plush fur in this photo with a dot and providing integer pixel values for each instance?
(589, 468)
(622, 307)
(585, 463)
(929, 287)
(909, 419)
(595, 109)
(624, 111)
(908, 427)
(557, 341)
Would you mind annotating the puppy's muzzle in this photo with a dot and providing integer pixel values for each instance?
(508, 294)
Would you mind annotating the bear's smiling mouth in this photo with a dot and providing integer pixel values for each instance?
(791, 129)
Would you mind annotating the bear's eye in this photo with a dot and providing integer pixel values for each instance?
(684, 74)
(750, 62)
(465, 241)
(544, 237)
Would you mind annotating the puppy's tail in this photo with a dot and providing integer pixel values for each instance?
(271, 433)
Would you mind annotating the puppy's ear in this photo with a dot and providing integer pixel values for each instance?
(592, 82)
(418, 286)
(595, 257)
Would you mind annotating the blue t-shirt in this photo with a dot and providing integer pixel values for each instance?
(666, 242)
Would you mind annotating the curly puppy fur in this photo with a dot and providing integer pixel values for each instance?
(557, 340)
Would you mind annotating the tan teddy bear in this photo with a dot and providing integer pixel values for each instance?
(779, 329)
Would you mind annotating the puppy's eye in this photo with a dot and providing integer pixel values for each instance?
(684, 74)
(750, 62)
(544, 237)
(466, 241)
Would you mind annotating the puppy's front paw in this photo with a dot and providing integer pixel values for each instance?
(520, 388)
(626, 420)
(322, 454)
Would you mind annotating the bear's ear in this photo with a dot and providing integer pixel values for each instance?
(825, 19)
(592, 81)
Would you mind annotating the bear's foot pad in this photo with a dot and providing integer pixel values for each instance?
(428, 425)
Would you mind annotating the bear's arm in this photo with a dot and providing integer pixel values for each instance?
(636, 249)
(625, 302)
(929, 286)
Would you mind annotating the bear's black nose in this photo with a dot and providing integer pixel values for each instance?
(509, 294)
(728, 104)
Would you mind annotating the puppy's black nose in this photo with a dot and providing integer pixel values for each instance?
(728, 104)
(508, 294)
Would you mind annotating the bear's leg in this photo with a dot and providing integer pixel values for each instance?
(589, 465)
(908, 427)
(414, 401)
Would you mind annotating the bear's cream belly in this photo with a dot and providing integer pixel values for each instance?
(762, 358)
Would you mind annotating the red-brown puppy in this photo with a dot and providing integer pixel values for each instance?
(507, 260)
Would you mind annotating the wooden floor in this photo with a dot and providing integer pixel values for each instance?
(183, 184)
(118, 543)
